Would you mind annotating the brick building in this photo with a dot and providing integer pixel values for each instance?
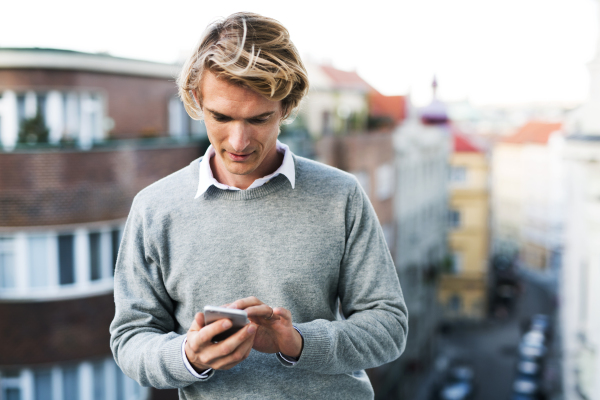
(109, 127)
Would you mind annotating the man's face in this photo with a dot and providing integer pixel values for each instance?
(242, 127)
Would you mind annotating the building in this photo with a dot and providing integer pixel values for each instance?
(81, 134)
(463, 288)
(528, 197)
(580, 278)
(341, 103)
(422, 147)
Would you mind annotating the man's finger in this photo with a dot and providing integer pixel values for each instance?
(262, 310)
(283, 313)
(209, 331)
(222, 352)
(198, 322)
(242, 304)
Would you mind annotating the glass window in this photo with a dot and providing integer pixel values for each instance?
(12, 394)
(7, 263)
(364, 180)
(385, 181)
(120, 384)
(38, 261)
(457, 262)
(42, 385)
(95, 264)
(99, 381)
(70, 383)
(115, 236)
(454, 218)
(66, 259)
(458, 174)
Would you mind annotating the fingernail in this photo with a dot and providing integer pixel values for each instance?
(226, 324)
(252, 328)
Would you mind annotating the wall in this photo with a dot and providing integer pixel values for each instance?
(65, 187)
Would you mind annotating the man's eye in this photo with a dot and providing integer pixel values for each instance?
(258, 121)
(222, 119)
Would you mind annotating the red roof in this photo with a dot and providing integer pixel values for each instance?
(392, 107)
(387, 106)
(462, 144)
(346, 79)
(534, 132)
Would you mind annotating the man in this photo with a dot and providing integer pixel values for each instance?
(254, 227)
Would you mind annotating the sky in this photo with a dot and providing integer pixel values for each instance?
(484, 51)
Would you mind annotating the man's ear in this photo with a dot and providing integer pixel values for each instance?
(195, 94)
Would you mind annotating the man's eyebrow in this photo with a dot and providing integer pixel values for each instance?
(263, 115)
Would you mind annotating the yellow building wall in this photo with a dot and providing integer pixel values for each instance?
(470, 239)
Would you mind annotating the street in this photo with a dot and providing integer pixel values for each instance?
(492, 346)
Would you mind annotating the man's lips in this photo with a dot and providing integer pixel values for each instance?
(238, 156)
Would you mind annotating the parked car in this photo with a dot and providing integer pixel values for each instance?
(527, 389)
(459, 383)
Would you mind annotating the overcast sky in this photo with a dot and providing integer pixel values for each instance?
(488, 51)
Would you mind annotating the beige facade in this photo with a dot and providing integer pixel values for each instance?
(528, 196)
(462, 290)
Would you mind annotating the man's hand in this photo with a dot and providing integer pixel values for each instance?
(275, 331)
(203, 354)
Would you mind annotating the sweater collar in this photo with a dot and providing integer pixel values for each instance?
(207, 179)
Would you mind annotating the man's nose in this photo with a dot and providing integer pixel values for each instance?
(239, 137)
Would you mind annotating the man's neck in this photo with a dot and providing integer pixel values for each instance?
(223, 176)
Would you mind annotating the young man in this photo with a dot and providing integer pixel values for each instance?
(254, 227)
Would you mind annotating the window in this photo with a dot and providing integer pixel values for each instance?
(99, 381)
(457, 262)
(10, 386)
(95, 259)
(42, 384)
(454, 219)
(458, 174)
(115, 236)
(455, 303)
(12, 394)
(52, 261)
(385, 181)
(38, 261)
(7, 263)
(70, 379)
(364, 180)
(66, 259)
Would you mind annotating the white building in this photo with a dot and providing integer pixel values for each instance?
(422, 145)
(337, 102)
(528, 197)
(580, 296)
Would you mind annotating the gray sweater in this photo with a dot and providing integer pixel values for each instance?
(302, 249)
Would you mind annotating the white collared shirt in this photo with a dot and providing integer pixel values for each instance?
(207, 179)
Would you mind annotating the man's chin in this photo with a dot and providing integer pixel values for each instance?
(240, 168)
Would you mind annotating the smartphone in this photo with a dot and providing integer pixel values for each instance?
(239, 319)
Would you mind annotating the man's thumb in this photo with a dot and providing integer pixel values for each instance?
(198, 322)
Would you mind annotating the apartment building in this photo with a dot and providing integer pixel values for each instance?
(80, 135)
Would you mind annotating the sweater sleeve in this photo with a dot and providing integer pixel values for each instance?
(376, 324)
(142, 334)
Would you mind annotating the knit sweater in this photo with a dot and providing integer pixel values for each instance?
(307, 249)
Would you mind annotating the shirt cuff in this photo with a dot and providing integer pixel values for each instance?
(205, 375)
(289, 359)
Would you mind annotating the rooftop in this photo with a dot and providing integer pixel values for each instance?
(536, 132)
(44, 58)
(462, 144)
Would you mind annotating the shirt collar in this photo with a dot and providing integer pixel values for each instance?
(207, 179)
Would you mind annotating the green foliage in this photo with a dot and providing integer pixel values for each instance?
(33, 130)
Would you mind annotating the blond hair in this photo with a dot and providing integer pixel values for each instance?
(250, 50)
